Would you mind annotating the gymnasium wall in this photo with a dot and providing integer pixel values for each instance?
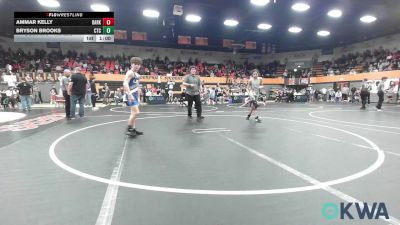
(323, 85)
(43, 87)
(389, 42)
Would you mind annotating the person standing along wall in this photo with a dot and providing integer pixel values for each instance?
(381, 93)
(64, 87)
(77, 90)
(25, 92)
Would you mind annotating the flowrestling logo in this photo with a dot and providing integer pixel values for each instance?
(355, 210)
(33, 123)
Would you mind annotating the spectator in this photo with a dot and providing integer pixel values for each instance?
(338, 96)
(88, 95)
(77, 90)
(64, 88)
(118, 96)
(381, 93)
(25, 92)
(93, 92)
(53, 95)
(107, 92)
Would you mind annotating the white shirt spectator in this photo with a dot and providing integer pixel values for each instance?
(171, 85)
(285, 74)
(10, 79)
(212, 92)
(370, 68)
(345, 90)
(8, 68)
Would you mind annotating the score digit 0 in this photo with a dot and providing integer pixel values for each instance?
(108, 21)
(108, 30)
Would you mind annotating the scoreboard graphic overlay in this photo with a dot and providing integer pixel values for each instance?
(63, 26)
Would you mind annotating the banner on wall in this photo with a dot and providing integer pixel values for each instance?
(201, 41)
(155, 100)
(226, 43)
(237, 99)
(299, 64)
(251, 45)
(304, 81)
(291, 81)
(139, 36)
(120, 35)
(184, 40)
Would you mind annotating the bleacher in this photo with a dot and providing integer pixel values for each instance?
(280, 71)
(317, 69)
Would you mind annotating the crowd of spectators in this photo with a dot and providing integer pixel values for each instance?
(40, 62)
(377, 60)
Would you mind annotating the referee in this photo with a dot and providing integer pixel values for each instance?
(192, 83)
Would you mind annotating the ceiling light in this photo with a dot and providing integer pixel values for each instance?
(295, 29)
(231, 22)
(300, 7)
(264, 26)
(259, 2)
(367, 19)
(335, 13)
(193, 18)
(323, 33)
(100, 8)
(151, 13)
(49, 3)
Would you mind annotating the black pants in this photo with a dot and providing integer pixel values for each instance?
(196, 99)
(353, 97)
(381, 98)
(364, 95)
(12, 101)
(93, 97)
(40, 97)
(67, 104)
